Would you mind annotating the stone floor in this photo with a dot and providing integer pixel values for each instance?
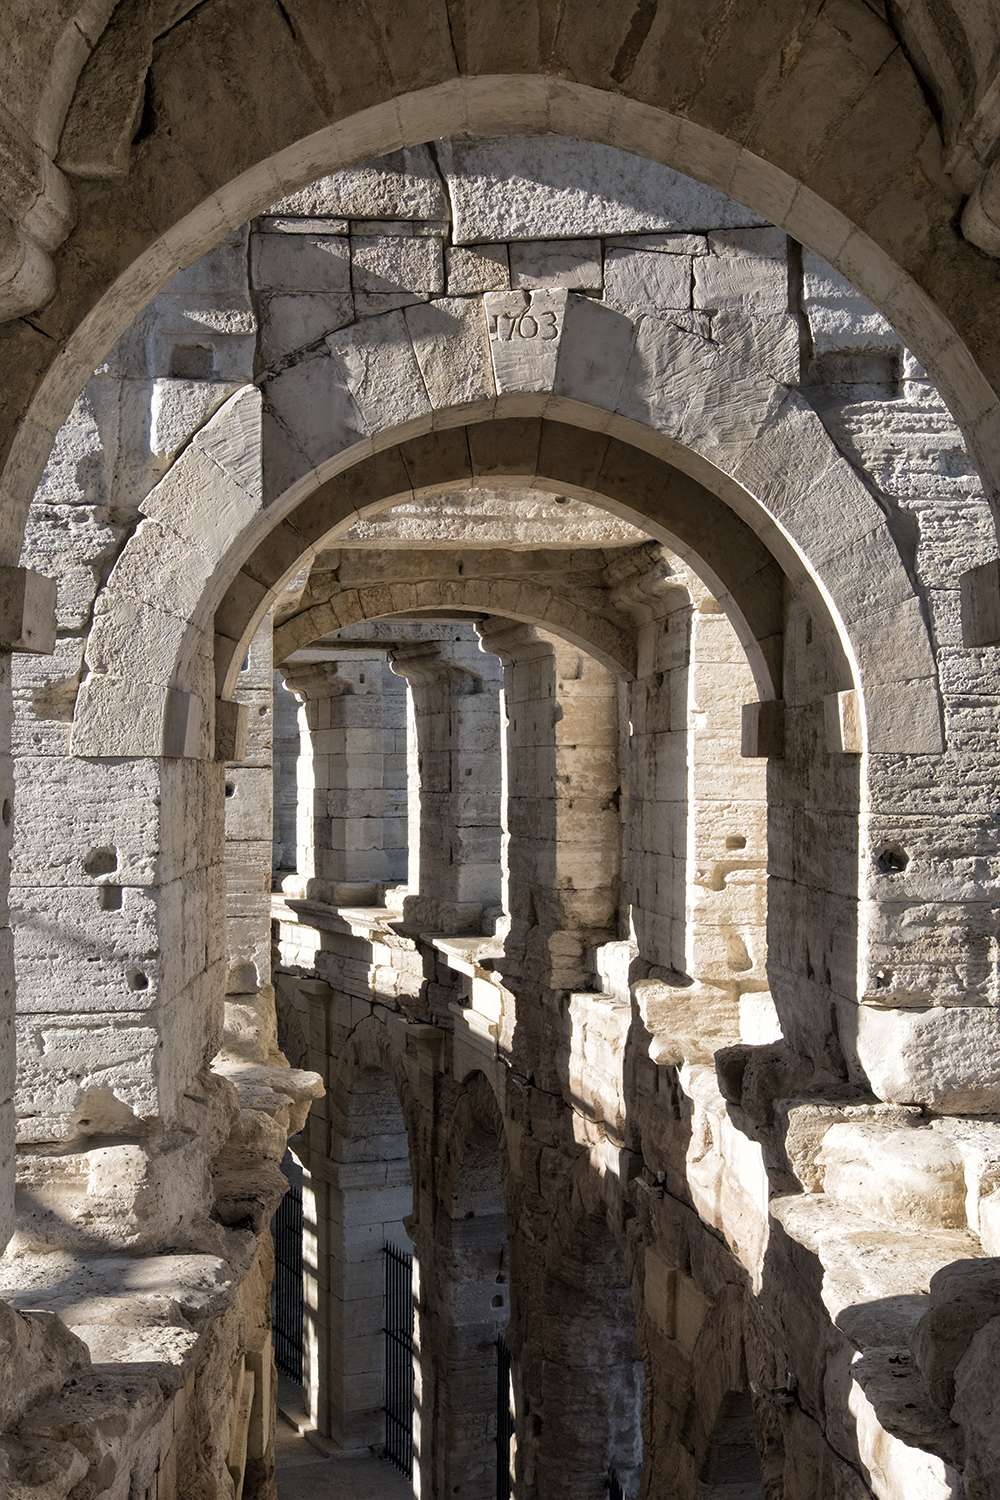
(304, 1473)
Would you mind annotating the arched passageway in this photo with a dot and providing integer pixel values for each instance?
(770, 640)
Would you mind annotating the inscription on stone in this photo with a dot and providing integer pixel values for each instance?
(543, 324)
(524, 332)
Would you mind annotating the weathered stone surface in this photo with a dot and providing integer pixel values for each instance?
(544, 186)
(403, 185)
(897, 1176)
(658, 1007)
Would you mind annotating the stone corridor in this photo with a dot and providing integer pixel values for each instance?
(499, 619)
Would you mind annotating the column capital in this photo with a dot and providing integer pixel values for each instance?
(422, 664)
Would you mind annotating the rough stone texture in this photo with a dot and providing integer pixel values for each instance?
(658, 1049)
(567, 188)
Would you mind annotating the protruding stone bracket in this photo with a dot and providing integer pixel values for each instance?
(27, 611)
(981, 605)
(763, 730)
(181, 724)
(845, 724)
(232, 722)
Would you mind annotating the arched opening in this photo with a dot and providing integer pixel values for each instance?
(355, 1205)
(581, 1375)
(473, 1449)
(732, 1470)
(624, 1008)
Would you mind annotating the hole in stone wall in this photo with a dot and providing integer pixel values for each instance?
(230, 788)
(191, 362)
(855, 372)
(892, 859)
(735, 841)
(110, 897)
(103, 861)
(137, 980)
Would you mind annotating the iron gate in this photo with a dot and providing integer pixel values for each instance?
(399, 1359)
(505, 1419)
(286, 1289)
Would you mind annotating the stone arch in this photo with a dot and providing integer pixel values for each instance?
(733, 471)
(474, 1292)
(612, 646)
(833, 201)
(581, 1369)
(357, 1203)
(732, 1463)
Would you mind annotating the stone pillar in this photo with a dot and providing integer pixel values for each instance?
(119, 893)
(249, 807)
(8, 1061)
(356, 1194)
(562, 807)
(454, 783)
(351, 773)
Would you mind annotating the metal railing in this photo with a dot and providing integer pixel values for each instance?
(287, 1287)
(399, 1359)
(505, 1419)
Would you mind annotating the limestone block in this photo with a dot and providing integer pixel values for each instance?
(41, 1352)
(476, 268)
(309, 416)
(92, 822)
(975, 1407)
(538, 187)
(27, 611)
(376, 365)
(60, 1057)
(524, 332)
(805, 1123)
(575, 264)
(71, 544)
(400, 185)
(741, 283)
(839, 317)
(763, 729)
(7, 1130)
(182, 714)
(283, 1093)
(296, 320)
(981, 605)
(300, 262)
(451, 345)
(771, 344)
(397, 263)
(219, 270)
(313, 224)
(179, 408)
(989, 1223)
(964, 1297)
(842, 715)
(73, 940)
(944, 1057)
(639, 279)
(900, 1176)
(231, 726)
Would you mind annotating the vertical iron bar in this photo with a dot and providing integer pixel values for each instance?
(505, 1419)
(399, 1358)
(287, 1287)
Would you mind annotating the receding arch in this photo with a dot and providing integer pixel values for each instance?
(612, 646)
(735, 473)
(836, 209)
